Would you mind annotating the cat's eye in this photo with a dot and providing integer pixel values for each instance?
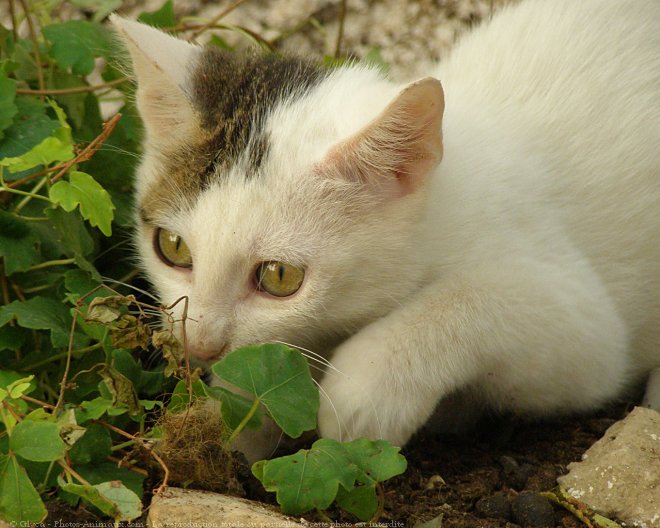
(172, 249)
(278, 278)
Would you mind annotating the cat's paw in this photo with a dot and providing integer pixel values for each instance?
(368, 395)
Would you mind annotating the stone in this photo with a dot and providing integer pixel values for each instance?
(176, 507)
(530, 510)
(619, 476)
(515, 475)
(496, 506)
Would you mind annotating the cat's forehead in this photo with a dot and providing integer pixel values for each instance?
(233, 95)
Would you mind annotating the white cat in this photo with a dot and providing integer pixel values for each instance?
(521, 273)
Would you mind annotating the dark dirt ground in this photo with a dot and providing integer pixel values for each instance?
(488, 479)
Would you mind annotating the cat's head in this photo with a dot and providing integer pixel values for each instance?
(282, 198)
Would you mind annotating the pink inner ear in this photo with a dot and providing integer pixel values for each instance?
(397, 150)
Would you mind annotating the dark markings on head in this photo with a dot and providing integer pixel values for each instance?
(232, 94)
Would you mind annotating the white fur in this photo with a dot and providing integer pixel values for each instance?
(524, 274)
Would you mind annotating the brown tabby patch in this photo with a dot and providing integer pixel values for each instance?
(232, 94)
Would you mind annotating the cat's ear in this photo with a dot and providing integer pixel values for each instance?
(161, 64)
(397, 150)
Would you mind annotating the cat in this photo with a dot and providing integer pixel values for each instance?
(486, 237)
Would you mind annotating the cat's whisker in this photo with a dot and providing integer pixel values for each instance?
(132, 287)
(334, 409)
(312, 356)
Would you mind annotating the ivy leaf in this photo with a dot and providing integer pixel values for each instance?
(8, 108)
(31, 126)
(19, 501)
(309, 479)
(40, 313)
(76, 43)
(234, 407)
(37, 441)
(330, 470)
(94, 446)
(84, 191)
(57, 147)
(93, 409)
(112, 498)
(279, 377)
(163, 17)
(18, 244)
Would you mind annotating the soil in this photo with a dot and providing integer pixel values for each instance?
(491, 478)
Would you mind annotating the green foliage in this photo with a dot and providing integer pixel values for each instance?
(75, 394)
(279, 378)
(348, 473)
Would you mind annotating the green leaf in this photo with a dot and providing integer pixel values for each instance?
(19, 501)
(93, 409)
(94, 446)
(8, 108)
(163, 17)
(55, 148)
(84, 191)
(112, 498)
(378, 460)
(308, 479)
(37, 441)
(40, 313)
(331, 471)
(12, 338)
(99, 472)
(31, 126)
(76, 43)
(69, 232)
(361, 501)
(18, 244)
(180, 397)
(234, 407)
(279, 377)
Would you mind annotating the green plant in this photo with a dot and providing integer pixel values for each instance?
(80, 406)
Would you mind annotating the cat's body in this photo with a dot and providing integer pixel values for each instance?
(520, 273)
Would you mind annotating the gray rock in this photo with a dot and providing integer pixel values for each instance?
(532, 511)
(619, 475)
(176, 508)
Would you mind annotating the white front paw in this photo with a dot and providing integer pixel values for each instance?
(368, 395)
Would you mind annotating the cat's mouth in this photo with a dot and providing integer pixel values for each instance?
(208, 355)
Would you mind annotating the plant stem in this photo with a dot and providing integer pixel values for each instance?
(244, 421)
(61, 355)
(216, 19)
(74, 90)
(51, 263)
(340, 31)
(33, 194)
(35, 45)
(117, 447)
(5, 188)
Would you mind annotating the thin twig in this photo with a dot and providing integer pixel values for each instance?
(340, 30)
(38, 402)
(215, 19)
(91, 148)
(84, 155)
(69, 355)
(75, 90)
(14, 22)
(77, 475)
(35, 45)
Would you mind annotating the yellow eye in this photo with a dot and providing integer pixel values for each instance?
(278, 278)
(171, 249)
